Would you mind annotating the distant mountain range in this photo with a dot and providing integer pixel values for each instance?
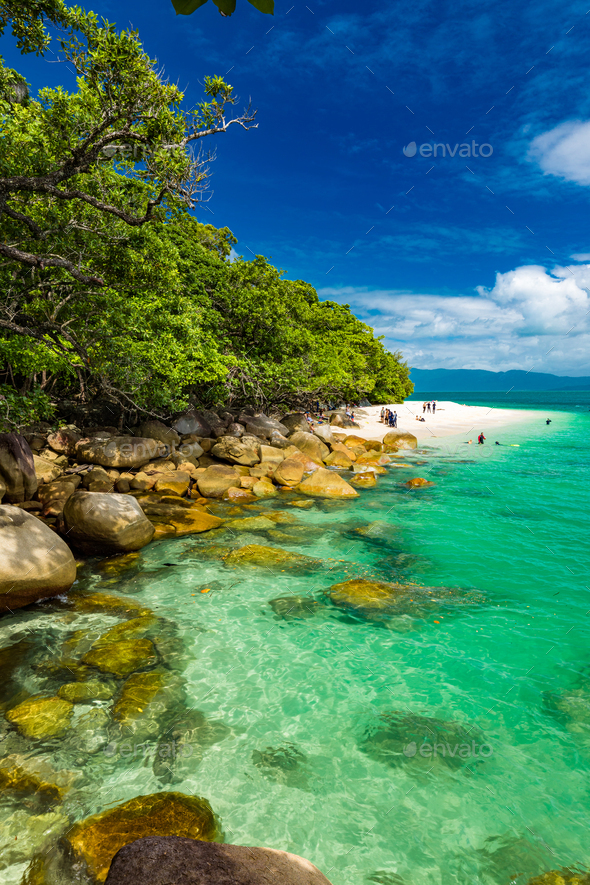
(466, 380)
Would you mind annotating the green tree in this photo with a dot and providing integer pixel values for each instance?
(226, 7)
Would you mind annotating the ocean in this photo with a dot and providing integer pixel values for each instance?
(445, 742)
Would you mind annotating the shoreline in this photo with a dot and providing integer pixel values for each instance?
(450, 419)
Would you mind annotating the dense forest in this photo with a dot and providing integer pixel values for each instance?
(110, 287)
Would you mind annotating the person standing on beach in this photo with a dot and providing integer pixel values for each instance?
(428, 406)
(423, 407)
(433, 406)
(395, 419)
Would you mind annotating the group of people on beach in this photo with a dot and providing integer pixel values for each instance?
(388, 417)
(429, 406)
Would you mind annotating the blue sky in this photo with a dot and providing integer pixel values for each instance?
(459, 261)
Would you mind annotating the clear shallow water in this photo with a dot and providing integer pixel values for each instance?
(290, 752)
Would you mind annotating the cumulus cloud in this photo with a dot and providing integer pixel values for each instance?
(529, 316)
(564, 151)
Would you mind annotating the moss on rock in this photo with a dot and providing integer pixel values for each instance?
(40, 717)
(122, 658)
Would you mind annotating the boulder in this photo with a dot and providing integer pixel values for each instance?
(95, 840)
(401, 439)
(241, 495)
(176, 483)
(309, 464)
(41, 717)
(216, 480)
(278, 440)
(262, 426)
(99, 522)
(340, 447)
(373, 445)
(64, 441)
(341, 419)
(251, 524)
(264, 489)
(296, 421)
(326, 484)
(17, 468)
(269, 453)
(371, 467)
(364, 481)
(338, 459)
(325, 433)
(352, 440)
(191, 422)
(163, 860)
(141, 482)
(289, 472)
(86, 692)
(418, 483)
(53, 496)
(157, 430)
(236, 451)
(373, 457)
(119, 451)
(235, 429)
(3, 490)
(310, 445)
(34, 562)
(188, 450)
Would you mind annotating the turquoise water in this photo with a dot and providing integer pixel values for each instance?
(301, 712)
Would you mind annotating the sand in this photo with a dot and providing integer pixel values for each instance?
(449, 419)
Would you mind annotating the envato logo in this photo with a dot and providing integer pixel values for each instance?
(463, 751)
(442, 150)
(170, 750)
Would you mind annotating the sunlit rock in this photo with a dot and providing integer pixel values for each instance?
(41, 717)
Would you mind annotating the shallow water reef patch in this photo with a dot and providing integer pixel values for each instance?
(571, 707)
(41, 717)
(284, 765)
(396, 738)
(257, 555)
(136, 695)
(296, 608)
(122, 658)
(84, 852)
(380, 600)
(565, 876)
(84, 692)
(105, 603)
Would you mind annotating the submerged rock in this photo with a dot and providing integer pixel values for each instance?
(41, 717)
(137, 693)
(34, 562)
(162, 861)
(364, 480)
(96, 840)
(107, 603)
(269, 557)
(418, 483)
(366, 596)
(84, 692)
(122, 658)
(398, 738)
(295, 608)
(562, 877)
(251, 524)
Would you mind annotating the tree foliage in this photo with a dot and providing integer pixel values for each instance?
(109, 285)
(226, 7)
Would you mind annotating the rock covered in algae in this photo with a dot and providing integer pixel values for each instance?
(396, 738)
(41, 717)
(367, 596)
(269, 557)
(123, 657)
(418, 483)
(83, 692)
(137, 693)
(22, 774)
(131, 629)
(562, 877)
(96, 840)
(251, 524)
(118, 565)
(106, 603)
(162, 861)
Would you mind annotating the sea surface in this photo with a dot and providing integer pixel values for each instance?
(311, 723)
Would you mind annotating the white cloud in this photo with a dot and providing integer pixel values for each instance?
(581, 256)
(564, 151)
(529, 316)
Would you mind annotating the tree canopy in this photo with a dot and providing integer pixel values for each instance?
(109, 285)
(226, 7)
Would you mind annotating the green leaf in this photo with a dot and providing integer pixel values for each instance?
(187, 7)
(226, 6)
(267, 6)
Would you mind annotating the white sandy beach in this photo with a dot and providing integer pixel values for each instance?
(450, 419)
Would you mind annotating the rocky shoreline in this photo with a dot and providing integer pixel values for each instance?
(103, 493)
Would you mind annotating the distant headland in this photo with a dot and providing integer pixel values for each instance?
(439, 380)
